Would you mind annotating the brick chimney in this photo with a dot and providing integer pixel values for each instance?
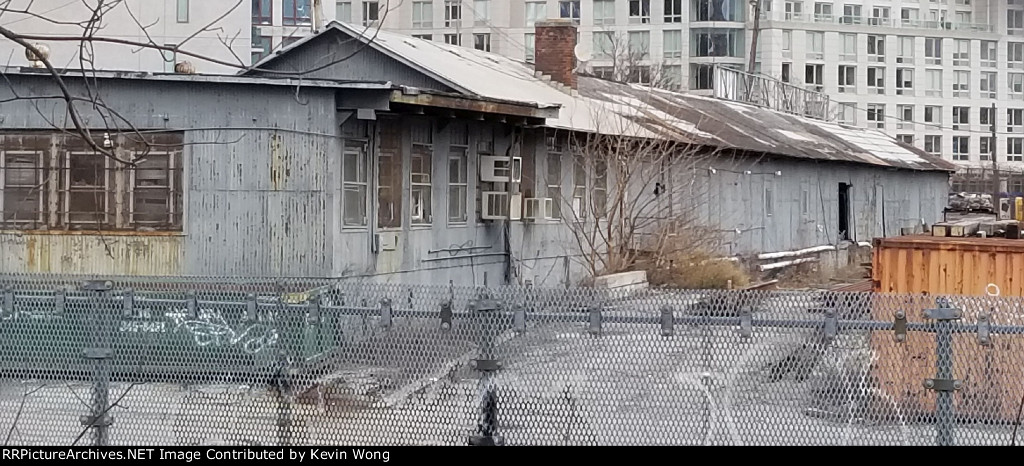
(555, 50)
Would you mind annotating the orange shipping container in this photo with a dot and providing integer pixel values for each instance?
(930, 267)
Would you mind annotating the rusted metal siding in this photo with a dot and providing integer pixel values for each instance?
(366, 65)
(932, 267)
(131, 253)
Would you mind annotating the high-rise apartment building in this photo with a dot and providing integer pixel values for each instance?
(928, 72)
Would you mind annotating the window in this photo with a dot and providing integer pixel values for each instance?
(715, 43)
(769, 201)
(988, 53)
(805, 202)
(961, 148)
(907, 139)
(529, 44)
(822, 12)
(536, 11)
(599, 192)
(1015, 22)
(787, 44)
(701, 76)
(933, 144)
(261, 46)
(876, 48)
(718, 10)
(847, 78)
(295, 12)
(262, 11)
(453, 39)
(639, 75)
(794, 10)
(846, 114)
(579, 186)
(787, 69)
(482, 42)
(849, 52)
(933, 115)
(604, 12)
(905, 50)
(985, 148)
(879, 16)
(986, 117)
(182, 11)
(672, 76)
(556, 150)
(932, 51)
(452, 13)
(639, 45)
(909, 16)
(604, 72)
(961, 84)
(356, 178)
(876, 115)
(423, 36)
(1014, 120)
(933, 82)
(389, 174)
(961, 52)
(813, 75)
(371, 13)
(604, 45)
(170, 57)
(815, 45)
(876, 80)
(1015, 54)
(851, 14)
(482, 12)
(639, 11)
(1015, 149)
(961, 118)
(422, 15)
(673, 44)
(458, 174)
(420, 172)
(904, 81)
(343, 12)
(80, 189)
(987, 85)
(673, 11)
(569, 9)
(906, 115)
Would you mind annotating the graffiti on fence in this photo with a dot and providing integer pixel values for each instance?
(208, 328)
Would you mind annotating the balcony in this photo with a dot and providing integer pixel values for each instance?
(765, 91)
(884, 22)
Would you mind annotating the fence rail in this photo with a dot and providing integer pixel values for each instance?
(190, 361)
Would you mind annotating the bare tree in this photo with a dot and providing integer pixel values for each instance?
(629, 62)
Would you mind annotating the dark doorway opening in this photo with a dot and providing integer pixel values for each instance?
(844, 211)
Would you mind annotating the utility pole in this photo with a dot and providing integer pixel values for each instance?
(318, 15)
(755, 33)
(995, 166)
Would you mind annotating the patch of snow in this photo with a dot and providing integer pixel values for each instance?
(796, 136)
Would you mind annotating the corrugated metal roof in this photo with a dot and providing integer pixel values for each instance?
(614, 108)
(201, 78)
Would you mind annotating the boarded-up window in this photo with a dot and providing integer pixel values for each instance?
(22, 185)
(389, 169)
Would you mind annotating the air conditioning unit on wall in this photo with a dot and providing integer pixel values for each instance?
(499, 205)
(497, 169)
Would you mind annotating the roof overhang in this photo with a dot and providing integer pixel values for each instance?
(472, 104)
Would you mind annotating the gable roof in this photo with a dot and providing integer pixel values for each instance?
(632, 110)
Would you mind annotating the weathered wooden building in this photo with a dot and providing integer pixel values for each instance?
(399, 159)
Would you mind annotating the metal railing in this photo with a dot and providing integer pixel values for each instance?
(286, 362)
(765, 91)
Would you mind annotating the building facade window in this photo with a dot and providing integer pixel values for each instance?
(932, 51)
(876, 48)
(987, 85)
(849, 47)
(815, 45)
(422, 15)
(639, 11)
(1015, 55)
(985, 148)
(905, 50)
(847, 79)
(371, 13)
(1015, 85)
(876, 80)
(482, 42)
(343, 12)
(673, 11)
(452, 13)
(262, 12)
(906, 115)
(933, 83)
(529, 44)
(453, 39)
(182, 11)
(1015, 120)
(961, 148)
(986, 117)
(933, 144)
(715, 43)
(961, 118)
(876, 115)
(672, 44)
(604, 12)
(458, 174)
(569, 9)
(933, 115)
(56, 181)
(639, 43)
(989, 56)
(905, 81)
(1015, 149)
(535, 12)
(295, 12)
(420, 172)
(961, 84)
(481, 12)
(961, 52)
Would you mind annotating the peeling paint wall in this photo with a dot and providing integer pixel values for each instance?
(91, 254)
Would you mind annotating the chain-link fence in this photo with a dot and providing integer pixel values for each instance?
(190, 361)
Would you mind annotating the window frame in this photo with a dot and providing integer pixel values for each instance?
(292, 18)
